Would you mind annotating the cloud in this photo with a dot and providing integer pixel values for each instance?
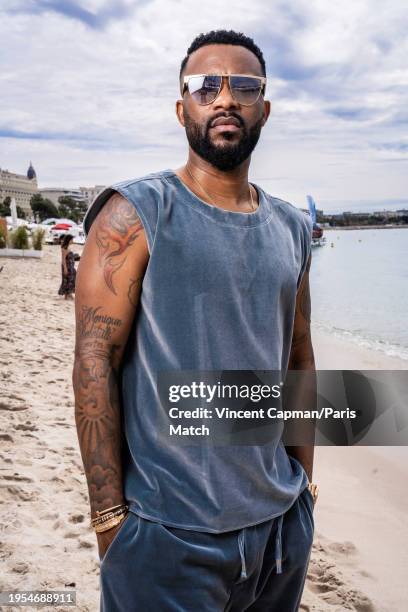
(282, 60)
(89, 90)
(74, 10)
(103, 141)
(399, 147)
(352, 113)
(19, 134)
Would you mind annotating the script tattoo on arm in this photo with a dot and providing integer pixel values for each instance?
(97, 406)
(117, 228)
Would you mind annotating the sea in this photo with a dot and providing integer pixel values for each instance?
(359, 288)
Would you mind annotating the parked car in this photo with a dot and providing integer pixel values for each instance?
(61, 229)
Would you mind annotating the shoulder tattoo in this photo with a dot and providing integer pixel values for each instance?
(117, 228)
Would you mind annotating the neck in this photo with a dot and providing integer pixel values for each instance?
(227, 188)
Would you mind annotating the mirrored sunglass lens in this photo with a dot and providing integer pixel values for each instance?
(245, 89)
(204, 89)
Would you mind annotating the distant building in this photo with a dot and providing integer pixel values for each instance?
(21, 187)
(389, 214)
(90, 193)
(54, 193)
(359, 215)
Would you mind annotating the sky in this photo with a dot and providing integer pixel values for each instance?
(88, 93)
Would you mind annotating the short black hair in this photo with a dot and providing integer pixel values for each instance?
(65, 240)
(224, 37)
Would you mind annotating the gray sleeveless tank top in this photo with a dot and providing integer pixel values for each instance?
(218, 293)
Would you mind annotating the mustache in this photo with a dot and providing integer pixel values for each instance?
(226, 116)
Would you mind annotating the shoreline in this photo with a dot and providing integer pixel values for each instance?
(363, 227)
(334, 353)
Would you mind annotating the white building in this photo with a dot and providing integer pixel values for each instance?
(21, 187)
(90, 193)
(54, 193)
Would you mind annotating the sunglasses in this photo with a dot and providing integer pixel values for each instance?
(205, 88)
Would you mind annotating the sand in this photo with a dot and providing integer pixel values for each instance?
(360, 554)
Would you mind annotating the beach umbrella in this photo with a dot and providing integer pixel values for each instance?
(61, 226)
(13, 209)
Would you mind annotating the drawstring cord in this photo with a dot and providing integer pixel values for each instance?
(278, 549)
(278, 545)
(241, 546)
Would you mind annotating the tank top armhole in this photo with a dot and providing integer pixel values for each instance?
(306, 240)
(124, 191)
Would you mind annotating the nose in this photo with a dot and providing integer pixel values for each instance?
(224, 98)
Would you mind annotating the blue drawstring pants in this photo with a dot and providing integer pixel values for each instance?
(150, 567)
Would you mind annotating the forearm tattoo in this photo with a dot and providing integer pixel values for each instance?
(117, 227)
(97, 406)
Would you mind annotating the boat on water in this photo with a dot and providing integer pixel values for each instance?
(317, 236)
(318, 239)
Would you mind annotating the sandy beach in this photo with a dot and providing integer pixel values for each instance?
(360, 554)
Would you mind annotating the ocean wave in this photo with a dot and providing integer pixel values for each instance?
(358, 338)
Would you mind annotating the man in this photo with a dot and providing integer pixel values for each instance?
(194, 269)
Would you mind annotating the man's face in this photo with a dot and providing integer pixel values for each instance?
(226, 146)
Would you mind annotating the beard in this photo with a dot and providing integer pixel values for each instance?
(227, 155)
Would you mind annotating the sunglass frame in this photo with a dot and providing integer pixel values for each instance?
(187, 77)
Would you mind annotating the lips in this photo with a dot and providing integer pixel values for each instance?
(226, 121)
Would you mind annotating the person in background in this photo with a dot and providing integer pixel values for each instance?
(68, 271)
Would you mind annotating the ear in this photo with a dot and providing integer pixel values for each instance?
(267, 110)
(180, 112)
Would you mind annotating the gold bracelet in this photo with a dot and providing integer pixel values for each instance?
(99, 512)
(107, 516)
(99, 520)
(110, 524)
(314, 490)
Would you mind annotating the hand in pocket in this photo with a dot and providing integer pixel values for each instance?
(106, 538)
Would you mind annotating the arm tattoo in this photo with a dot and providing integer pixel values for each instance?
(118, 226)
(97, 407)
(134, 290)
(92, 324)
